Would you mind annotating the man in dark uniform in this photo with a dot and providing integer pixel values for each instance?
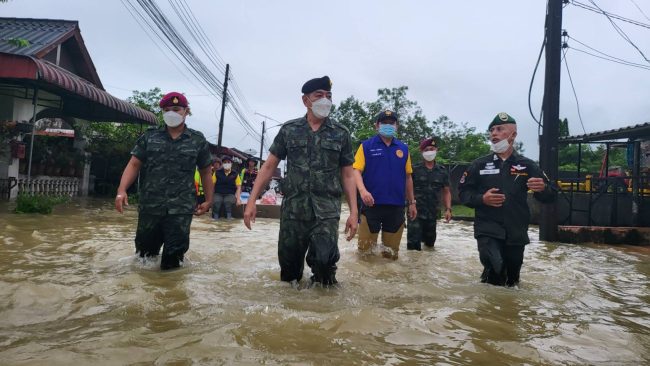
(382, 171)
(431, 185)
(166, 158)
(319, 169)
(496, 186)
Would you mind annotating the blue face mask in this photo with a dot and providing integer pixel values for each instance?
(387, 130)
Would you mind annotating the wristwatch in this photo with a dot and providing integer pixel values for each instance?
(412, 202)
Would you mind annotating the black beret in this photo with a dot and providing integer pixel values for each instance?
(502, 119)
(312, 85)
(386, 114)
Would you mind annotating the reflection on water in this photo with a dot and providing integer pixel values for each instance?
(71, 291)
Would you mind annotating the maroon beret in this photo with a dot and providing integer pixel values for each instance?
(173, 99)
(426, 142)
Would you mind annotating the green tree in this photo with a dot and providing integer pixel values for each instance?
(413, 124)
(148, 100)
(110, 143)
(459, 142)
(355, 115)
(359, 116)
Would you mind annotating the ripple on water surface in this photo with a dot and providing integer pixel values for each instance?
(71, 290)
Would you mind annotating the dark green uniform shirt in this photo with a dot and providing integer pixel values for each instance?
(167, 174)
(510, 221)
(312, 185)
(427, 185)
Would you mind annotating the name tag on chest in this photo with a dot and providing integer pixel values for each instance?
(488, 171)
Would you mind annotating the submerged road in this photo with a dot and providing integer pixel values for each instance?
(72, 292)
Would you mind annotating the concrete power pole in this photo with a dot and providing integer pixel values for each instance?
(223, 106)
(548, 149)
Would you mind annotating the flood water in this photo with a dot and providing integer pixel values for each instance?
(71, 292)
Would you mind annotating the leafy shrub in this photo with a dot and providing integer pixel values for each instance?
(26, 203)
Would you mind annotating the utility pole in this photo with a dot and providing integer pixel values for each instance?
(548, 149)
(223, 106)
(262, 142)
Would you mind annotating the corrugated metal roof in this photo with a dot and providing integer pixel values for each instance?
(636, 131)
(27, 69)
(41, 33)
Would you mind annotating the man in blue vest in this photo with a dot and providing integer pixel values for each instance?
(382, 168)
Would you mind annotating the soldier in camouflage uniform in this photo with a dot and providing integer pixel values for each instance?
(430, 184)
(166, 157)
(319, 169)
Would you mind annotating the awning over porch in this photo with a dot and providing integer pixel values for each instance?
(81, 99)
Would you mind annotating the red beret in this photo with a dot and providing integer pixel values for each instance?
(173, 99)
(426, 142)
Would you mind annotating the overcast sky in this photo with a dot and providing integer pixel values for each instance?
(465, 59)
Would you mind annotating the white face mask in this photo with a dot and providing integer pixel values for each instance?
(172, 119)
(501, 146)
(321, 108)
(429, 155)
(227, 166)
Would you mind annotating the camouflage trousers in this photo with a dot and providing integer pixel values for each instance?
(421, 230)
(318, 239)
(172, 231)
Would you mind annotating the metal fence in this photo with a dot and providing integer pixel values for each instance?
(605, 201)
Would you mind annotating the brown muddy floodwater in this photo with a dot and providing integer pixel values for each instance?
(72, 293)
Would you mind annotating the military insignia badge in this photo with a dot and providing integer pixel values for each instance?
(503, 116)
(175, 100)
(399, 153)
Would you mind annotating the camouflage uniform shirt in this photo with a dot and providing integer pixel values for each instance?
(312, 185)
(167, 174)
(427, 186)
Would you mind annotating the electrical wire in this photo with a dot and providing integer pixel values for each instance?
(612, 15)
(643, 67)
(156, 18)
(140, 19)
(629, 63)
(198, 34)
(532, 79)
(566, 64)
(640, 10)
(620, 31)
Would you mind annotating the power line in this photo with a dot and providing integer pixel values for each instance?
(609, 59)
(574, 91)
(620, 31)
(630, 63)
(140, 19)
(640, 10)
(155, 17)
(612, 15)
(205, 44)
